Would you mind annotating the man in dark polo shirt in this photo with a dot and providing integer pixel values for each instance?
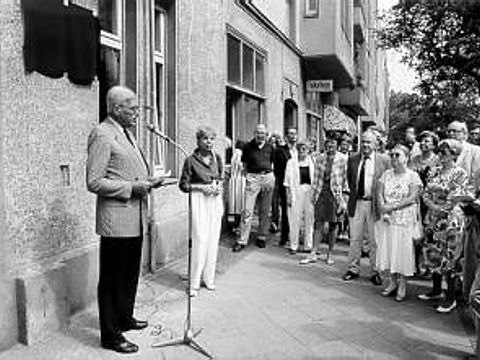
(257, 161)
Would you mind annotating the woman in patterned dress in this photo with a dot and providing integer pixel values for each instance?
(444, 223)
(397, 194)
(422, 163)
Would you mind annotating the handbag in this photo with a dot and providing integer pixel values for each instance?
(418, 232)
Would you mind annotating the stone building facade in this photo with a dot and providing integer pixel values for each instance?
(229, 64)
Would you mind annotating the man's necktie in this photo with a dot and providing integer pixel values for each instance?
(361, 180)
(129, 138)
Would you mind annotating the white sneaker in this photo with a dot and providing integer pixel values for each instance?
(309, 259)
(447, 308)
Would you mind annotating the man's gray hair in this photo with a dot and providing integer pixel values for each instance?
(460, 124)
(118, 95)
(371, 134)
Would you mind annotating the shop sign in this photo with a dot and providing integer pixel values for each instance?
(320, 85)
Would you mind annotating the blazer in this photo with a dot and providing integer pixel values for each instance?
(382, 163)
(113, 164)
(338, 177)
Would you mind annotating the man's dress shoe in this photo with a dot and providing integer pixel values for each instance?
(237, 247)
(350, 275)
(260, 243)
(123, 346)
(376, 279)
(135, 325)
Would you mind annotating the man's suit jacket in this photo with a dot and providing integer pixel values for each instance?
(469, 159)
(382, 163)
(281, 155)
(338, 177)
(113, 164)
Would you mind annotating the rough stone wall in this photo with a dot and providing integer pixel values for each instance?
(44, 123)
(200, 79)
(201, 67)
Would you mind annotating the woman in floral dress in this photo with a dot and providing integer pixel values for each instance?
(422, 163)
(397, 194)
(444, 224)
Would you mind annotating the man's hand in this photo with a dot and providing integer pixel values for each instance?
(140, 188)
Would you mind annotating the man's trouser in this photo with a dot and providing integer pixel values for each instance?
(257, 186)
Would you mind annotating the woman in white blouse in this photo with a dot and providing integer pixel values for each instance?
(298, 183)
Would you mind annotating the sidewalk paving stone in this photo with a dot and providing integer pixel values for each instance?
(267, 306)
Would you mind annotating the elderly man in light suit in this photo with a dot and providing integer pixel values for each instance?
(469, 158)
(363, 171)
(118, 174)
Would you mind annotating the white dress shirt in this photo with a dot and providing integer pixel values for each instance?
(369, 173)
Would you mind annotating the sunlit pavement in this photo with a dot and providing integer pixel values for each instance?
(267, 306)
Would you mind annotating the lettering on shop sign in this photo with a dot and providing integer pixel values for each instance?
(320, 85)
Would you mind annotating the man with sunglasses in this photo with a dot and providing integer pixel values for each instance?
(118, 174)
(363, 171)
(469, 158)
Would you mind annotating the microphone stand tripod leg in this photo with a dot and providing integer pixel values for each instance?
(194, 345)
(189, 334)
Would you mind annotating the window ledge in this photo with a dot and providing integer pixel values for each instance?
(265, 21)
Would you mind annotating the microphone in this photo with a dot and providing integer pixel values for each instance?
(157, 132)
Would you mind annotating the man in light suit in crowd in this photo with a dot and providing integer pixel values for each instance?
(118, 174)
(364, 169)
(469, 158)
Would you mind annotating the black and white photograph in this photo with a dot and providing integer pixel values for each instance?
(239, 179)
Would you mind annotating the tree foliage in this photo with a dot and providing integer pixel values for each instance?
(441, 41)
(427, 112)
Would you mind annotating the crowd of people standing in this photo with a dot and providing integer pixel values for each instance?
(412, 210)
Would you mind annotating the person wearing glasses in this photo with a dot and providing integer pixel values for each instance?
(469, 159)
(257, 159)
(444, 224)
(364, 169)
(475, 134)
(118, 174)
(397, 195)
(298, 184)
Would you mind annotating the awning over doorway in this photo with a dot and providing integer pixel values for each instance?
(335, 119)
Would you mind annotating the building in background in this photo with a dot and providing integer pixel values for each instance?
(229, 64)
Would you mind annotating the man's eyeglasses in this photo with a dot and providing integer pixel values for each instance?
(454, 131)
(395, 155)
(135, 109)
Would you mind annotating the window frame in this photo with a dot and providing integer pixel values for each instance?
(312, 12)
(115, 41)
(159, 60)
(256, 51)
(238, 109)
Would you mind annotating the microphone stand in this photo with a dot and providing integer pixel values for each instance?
(188, 335)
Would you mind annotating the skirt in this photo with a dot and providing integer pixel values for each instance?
(326, 208)
(395, 251)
